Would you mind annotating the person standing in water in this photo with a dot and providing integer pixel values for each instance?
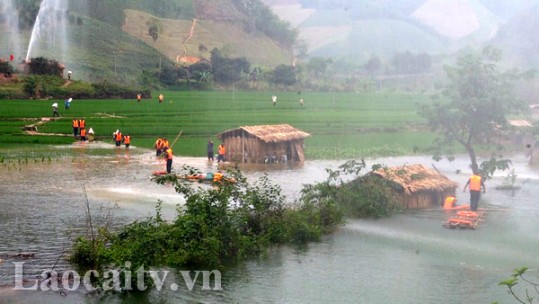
(475, 184)
(168, 158)
(210, 150)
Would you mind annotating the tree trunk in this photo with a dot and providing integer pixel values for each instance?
(473, 158)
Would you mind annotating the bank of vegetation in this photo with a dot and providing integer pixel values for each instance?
(228, 223)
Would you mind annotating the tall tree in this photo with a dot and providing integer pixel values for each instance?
(476, 102)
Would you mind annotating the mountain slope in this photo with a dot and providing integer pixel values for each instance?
(184, 38)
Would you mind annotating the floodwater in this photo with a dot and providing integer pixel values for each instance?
(408, 258)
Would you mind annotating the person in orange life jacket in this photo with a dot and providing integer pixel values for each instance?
(75, 127)
(158, 146)
(82, 124)
(221, 153)
(82, 134)
(118, 138)
(475, 184)
(217, 176)
(449, 202)
(165, 143)
(168, 157)
(127, 141)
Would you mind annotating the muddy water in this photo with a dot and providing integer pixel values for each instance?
(408, 258)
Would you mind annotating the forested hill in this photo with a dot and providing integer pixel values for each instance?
(118, 39)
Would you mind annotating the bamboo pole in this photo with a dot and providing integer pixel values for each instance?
(176, 139)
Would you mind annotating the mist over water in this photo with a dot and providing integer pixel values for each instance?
(8, 12)
(50, 31)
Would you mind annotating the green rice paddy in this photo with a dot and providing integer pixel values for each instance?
(342, 125)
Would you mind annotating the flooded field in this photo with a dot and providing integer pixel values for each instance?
(408, 258)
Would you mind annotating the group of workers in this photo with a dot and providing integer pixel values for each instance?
(162, 147)
(79, 129)
(475, 184)
(221, 151)
(119, 138)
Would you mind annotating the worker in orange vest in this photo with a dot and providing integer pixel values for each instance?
(82, 134)
(82, 124)
(164, 143)
(475, 183)
(75, 127)
(157, 146)
(217, 176)
(118, 138)
(168, 158)
(127, 141)
(221, 151)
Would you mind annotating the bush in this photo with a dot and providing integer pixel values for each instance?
(43, 66)
(6, 67)
(364, 196)
(216, 226)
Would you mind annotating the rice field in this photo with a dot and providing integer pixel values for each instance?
(342, 125)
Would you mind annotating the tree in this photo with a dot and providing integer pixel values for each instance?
(284, 74)
(478, 98)
(373, 65)
(318, 66)
(155, 28)
(228, 70)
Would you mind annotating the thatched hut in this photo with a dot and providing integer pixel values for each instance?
(266, 143)
(417, 186)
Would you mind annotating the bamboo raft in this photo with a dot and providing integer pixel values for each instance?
(464, 220)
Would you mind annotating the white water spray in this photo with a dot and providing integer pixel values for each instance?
(49, 34)
(10, 15)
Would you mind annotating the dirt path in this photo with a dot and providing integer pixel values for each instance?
(32, 129)
(191, 34)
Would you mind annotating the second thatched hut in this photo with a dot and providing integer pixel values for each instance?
(264, 143)
(417, 186)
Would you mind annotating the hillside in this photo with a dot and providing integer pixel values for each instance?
(184, 38)
(109, 40)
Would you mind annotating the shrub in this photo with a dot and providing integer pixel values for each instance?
(216, 226)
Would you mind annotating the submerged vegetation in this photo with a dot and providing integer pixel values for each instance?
(230, 222)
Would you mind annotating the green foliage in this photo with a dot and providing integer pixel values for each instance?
(477, 100)
(216, 226)
(44, 66)
(6, 67)
(284, 75)
(522, 295)
(169, 75)
(488, 167)
(228, 70)
(155, 28)
(265, 21)
(365, 196)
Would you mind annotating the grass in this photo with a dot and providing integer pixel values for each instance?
(342, 125)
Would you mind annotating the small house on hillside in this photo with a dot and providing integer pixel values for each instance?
(266, 143)
(417, 186)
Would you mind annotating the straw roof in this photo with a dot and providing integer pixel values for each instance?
(415, 178)
(270, 133)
